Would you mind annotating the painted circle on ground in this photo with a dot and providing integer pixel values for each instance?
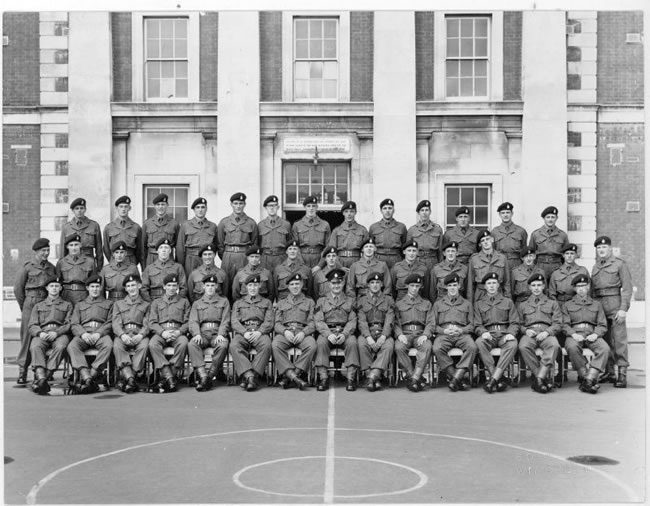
(282, 465)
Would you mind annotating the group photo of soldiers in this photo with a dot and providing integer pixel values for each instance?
(151, 303)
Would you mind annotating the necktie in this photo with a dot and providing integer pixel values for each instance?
(273, 223)
(200, 223)
(311, 221)
(122, 223)
(79, 223)
(237, 219)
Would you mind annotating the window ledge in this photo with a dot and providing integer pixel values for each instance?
(130, 109)
(469, 108)
(316, 109)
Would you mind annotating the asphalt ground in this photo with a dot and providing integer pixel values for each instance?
(287, 446)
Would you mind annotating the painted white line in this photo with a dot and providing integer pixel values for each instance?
(328, 495)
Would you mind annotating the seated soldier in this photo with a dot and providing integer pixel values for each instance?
(320, 284)
(91, 327)
(252, 323)
(541, 319)
(410, 265)
(266, 289)
(294, 328)
(496, 323)
(131, 333)
(209, 324)
(336, 321)
(357, 285)
(291, 266)
(154, 274)
(376, 315)
(454, 324)
(207, 268)
(585, 324)
(49, 326)
(448, 265)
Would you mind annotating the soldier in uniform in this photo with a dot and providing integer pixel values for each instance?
(541, 320)
(74, 269)
(388, 235)
(88, 230)
(548, 242)
(209, 326)
(336, 321)
(29, 290)
(49, 326)
(168, 321)
(274, 233)
(252, 323)
(449, 265)
(496, 323)
(560, 286)
(454, 325)
(131, 331)
(155, 273)
(123, 228)
(585, 325)
(509, 238)
(375, 315)
(235, 234)
(115, 271)
(427, 234)
(311, 232)
(486, 260)
(320, 284)
(208, 267)
(412, 264)
(287, 270)
(462, 234)
(357, 284)
(158, 227)
(611, 285)
(193, 234)
(294, 328)
(91, 327)
(349, 236)
(520, 290)
(266, 288)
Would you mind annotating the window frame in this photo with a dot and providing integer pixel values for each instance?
(321, 207)
(137, 183)
(165, 187)
(451, 210)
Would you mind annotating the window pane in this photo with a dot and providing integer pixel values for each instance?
(315, 28)
(330, 28)
(167, 69)
(167, 48)
(315, 89)
(302, 88)
(466, 87)
(481, 47)
(467, 47)
(301, 29)
(480, 87)
(452, 27)
(290, 195)
(481, 196)
(153, 69)
(302, 70)
(167, 88)
(316, 176)
(467, 196)
(341, 174)
(303, 175)
(466, 68)
(466, 27)
(153, 50)
(316, 70)
(180, 198)
(181, 69)
(181, 28)
(303, 191)
(180, 48)
(316, 48)
(452, 69)
(330, 49)
(290, 173)
(452, 48)
(480, 68)
(481, 27)
(167, 28)
(181, 88)
(302, 49)
(453, 197)
(452, 87)
(330, 89)
(330, 70)
(481, 216)
(153, 28)
(153, 88)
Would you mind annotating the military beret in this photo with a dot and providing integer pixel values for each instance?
(413, 278)
(537, 276)
(296, 277)
(72, 238)
(199, 200)
(527, 250)
(451, 278)
(550, 210)
(570, 247)
(271, 199)
(349, 205)
(386, 202)
(462, 210)
(421, 204)
(207, 247)
(410, 244)
(119, 245)
(253, 278)
(162, 241)
(254, 250)
(53, 279)
(161, 197)
(506, 206)
(239, 196)
(375, 276)
(603, 239)
(335, 275)
(131, 277)
(490, 275)
(580, 279)
(210, 278)
(309, 199)
(482, 235)
(293, 242)
(78, 202)
(170, 278)
(124, 199)
(93, 278)
(370, 240)
(328, 250)
(450, 244)
(41, 243)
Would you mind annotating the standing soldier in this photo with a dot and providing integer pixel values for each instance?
(349, 236)
(91, 328)
(155, 273)
(29, 290)
(427, 234)
(74, 269)
(49, 326)
(311, 232)
(449, 265)
(357, 283)
(548, 242)
(115, 271)
(274, 233)
(462, 234)
(194, 234)
(496, 323)
(123, 228)
(509, 238)
(89, 230)
(209, 324)
(612, 287)
(320, 284)
(486, 260)
(376, 315)
(158, 227)
(410, 265)
(207, 268)
(560, 286)
(388, 235)
(252, 323)
(520, 289)
(235, 234)
(266, 287)
(336, 320)
(294, 328)
(287, 270)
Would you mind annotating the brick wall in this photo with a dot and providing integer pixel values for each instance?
(424, 55)
(620, 64)
(361, 55)
(20, 59)
(270, 56)
(122, 58)
(512, 22)
(621, 180)
(209, 28)
(21, 189)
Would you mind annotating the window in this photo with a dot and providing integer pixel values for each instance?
(61, 140)
(467, 56)
(61, 28)
(61, 168)
(178, 197)
(316, 66)
(61, 196)
(476, 197)
(61, 56)
(61, 84)
(166, 58)
(328, 181)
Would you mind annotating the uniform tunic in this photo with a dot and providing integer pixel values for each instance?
(548, 244)
(357, 281)
(235, 234)
(312, 235)
(73, 271)
(389, 235)
(285, 271)
(47, 316)
(437, 288)
(454, 312)
(209, 318)
(192, 236)
(92, 316)
(155, 229)
(320, 284)
(155, 273)
(510, 239)
(559, 286)
(520, 290)
(168, 313)
(274, 234)
(479, 265)
(195, 281)
(585, 316)
(130, 317)
(467, 240)
(336, 315)
(113, 275)
(296, 314)
(376, 317)
(127, 230)
(539, 313)
(91, 239)
(498, 316)
(401, 270)
(267, 287)
(348, 238)
(251, 313)
(429, 238)
(413, 318)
